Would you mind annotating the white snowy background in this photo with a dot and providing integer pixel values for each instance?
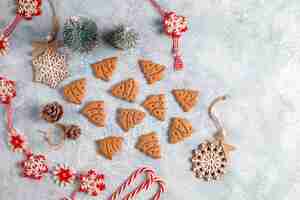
(249, 49)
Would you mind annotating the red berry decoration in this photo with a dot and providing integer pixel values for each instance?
(16, 141)
(4, 45)
(174, 25)
(92, 183)
(29, 8)
(63, 175)
(7, 90)
(34, 167)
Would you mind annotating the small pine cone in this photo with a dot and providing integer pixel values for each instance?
(72, 132)
(52, 112)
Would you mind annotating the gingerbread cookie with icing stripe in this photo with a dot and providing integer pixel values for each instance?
(105, 68)
(153, 72)
(126, 90)
(75, 91)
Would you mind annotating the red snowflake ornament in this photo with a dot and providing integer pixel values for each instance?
(29, 8)
(174, 25)
(34, 166)
(17, 141)
(4, 45)
(7, 90)
(92, 183)
(63, 175)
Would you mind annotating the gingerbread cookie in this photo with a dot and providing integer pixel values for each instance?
(156, 105)
(128, 118)
(109, 146)
(186, 98)
(149, 145)
(94, 112)
(152, 72)
(126, 90)
(75, 91)
(105, 68)
(180, 129)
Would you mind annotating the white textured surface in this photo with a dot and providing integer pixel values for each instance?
(248, 49)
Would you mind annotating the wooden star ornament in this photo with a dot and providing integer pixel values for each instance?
(50, 68)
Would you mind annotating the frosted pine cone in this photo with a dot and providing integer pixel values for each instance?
(52, 112)
(209, 160)
(123, 38)
(80, 34)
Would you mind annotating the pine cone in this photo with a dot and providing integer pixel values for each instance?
(123, 38)
(52, 112)
(72, 132)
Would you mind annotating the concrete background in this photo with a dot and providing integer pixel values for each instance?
(248, 49)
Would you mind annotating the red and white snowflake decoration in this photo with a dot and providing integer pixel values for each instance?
(4, 45)
(7, 90)
(17, 141)
(92, 183)
(29, 8)
(63, 175)
(174, 25)
(34, 166)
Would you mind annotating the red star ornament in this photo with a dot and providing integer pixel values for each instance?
(17, 141)
(174, 25)
(63, 175)
(29, 8)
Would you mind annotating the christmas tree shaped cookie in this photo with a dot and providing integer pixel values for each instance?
(152, 72)
(109, 146)
(128, 118)
(75, 91)
(149, 145)
(94, 112)
(126, 90)
(105, 68)
(186, 98)
(156, 105)
(180, 129)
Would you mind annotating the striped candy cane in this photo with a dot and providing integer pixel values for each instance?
(151, 178)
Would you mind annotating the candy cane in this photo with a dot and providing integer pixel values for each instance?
(151, 178)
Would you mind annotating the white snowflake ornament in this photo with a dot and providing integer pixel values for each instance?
(50, 68)
(92, 183)
(34, 166)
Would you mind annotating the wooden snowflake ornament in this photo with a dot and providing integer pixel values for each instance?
(7, 90)
(34, 166)
(210, 160)
(4, 45)
(50, 68)
(29, 8)
(92, 183)
(63, 175)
